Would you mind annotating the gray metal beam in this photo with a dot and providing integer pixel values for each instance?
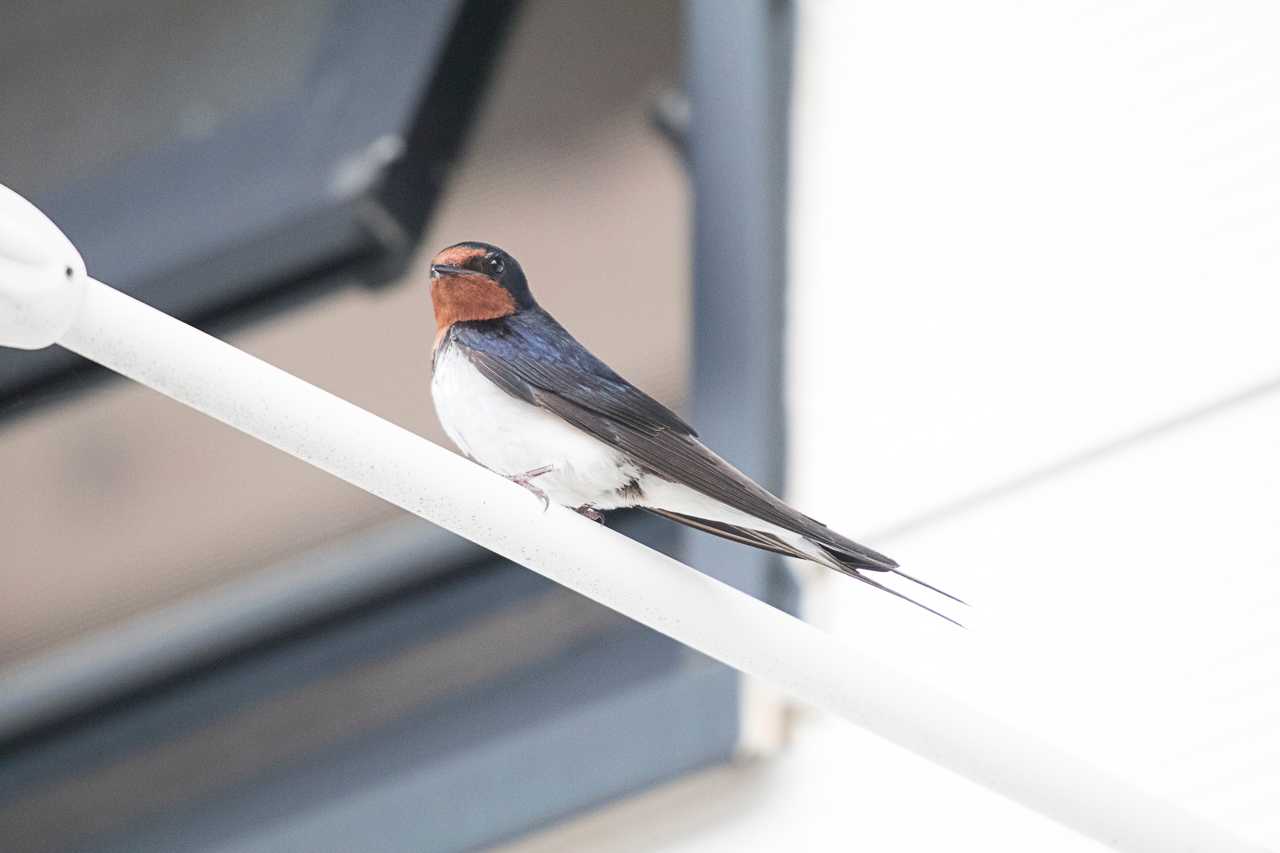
(739, 62)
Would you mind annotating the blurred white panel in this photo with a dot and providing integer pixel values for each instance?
(1126, 609)
(1021, 230)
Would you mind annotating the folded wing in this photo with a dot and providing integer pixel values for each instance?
(534, 359)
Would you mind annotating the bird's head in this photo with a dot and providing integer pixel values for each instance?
(476, 281)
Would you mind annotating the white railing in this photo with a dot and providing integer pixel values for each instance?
(47, 298)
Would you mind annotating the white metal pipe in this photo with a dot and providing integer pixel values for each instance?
(137, 341)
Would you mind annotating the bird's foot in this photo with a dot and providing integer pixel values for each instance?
(591, 512)
(526, 480)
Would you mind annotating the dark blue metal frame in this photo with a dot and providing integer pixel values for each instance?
(257, 214)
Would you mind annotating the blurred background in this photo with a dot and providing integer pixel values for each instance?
(991, 287)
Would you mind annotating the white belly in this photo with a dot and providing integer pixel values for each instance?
(510, 437)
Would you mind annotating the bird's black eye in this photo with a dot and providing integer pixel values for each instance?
(493, 265)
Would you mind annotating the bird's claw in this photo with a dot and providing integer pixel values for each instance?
(526, 480)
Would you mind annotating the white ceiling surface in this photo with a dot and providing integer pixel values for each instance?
(1022, 232)
(1028, 228)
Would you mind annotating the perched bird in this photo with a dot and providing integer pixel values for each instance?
(518, 394)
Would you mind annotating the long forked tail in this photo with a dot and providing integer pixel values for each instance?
(851, 565)
(855, 568)
(858, 562)
(857, 575)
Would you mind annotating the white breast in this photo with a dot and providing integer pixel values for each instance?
(510, 436)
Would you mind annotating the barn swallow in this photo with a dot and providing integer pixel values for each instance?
(519, 395)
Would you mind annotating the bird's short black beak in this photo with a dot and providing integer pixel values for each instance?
(446, 270)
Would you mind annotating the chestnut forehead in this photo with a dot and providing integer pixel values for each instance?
(457, 256)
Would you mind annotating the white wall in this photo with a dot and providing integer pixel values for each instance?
(1033, 356)
(1036, 278)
